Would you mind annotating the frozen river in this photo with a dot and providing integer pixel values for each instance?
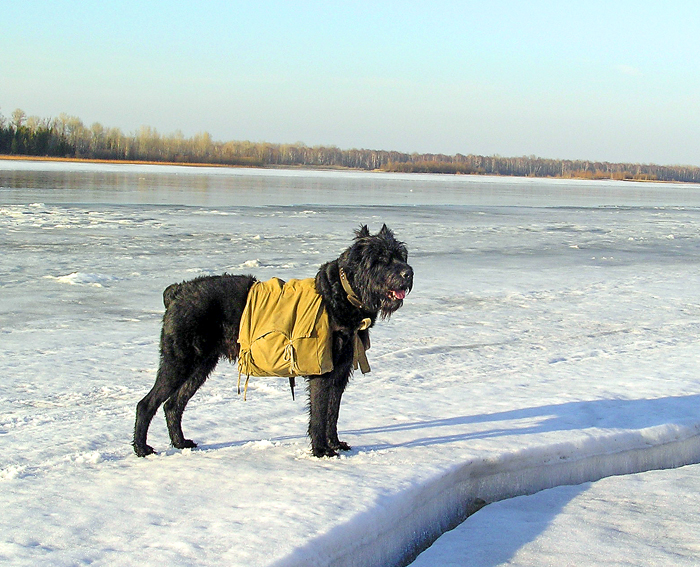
(549, 318)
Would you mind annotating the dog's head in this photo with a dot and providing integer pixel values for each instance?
(377, 269)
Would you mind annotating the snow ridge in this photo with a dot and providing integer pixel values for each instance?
(403, 525)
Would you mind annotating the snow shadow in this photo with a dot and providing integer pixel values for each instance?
(569, 416)
(489, 546)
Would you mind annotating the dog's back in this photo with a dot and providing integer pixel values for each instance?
(203, 315)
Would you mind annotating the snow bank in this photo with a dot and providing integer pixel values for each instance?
(398, 528)
(646, 519)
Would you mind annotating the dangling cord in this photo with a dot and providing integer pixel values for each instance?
(245, 387)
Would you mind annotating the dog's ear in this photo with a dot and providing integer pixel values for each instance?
(362, 232)
(386, 231)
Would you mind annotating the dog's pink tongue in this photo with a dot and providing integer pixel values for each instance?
(399, 294)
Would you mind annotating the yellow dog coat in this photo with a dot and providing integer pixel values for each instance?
(284, 331)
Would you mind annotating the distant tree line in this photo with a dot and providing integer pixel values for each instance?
(67, 136)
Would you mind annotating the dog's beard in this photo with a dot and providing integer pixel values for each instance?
(390, 297)
(388, 306)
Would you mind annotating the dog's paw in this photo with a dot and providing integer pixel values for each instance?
(186, 444)
(323, 452)
(340, 446)
(144, 450)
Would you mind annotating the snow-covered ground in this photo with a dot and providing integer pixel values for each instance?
(551, 339)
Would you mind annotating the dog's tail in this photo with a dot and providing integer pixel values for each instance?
(170, 293)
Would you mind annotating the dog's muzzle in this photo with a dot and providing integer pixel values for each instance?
(406, 277)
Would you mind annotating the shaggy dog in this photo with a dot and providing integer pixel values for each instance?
(201, 325)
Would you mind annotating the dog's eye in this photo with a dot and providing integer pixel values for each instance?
(382, 260)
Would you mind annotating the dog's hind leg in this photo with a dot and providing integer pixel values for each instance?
(146, 409)
(175, 405)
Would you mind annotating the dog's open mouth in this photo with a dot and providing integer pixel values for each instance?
(397, 294)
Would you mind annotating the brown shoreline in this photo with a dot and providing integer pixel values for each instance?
(8, 157)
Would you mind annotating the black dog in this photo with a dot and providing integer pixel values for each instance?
(201, 325)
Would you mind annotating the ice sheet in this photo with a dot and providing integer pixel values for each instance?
(556, 341)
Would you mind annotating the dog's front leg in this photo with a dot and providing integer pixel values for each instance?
(319, 392)
(337, 383)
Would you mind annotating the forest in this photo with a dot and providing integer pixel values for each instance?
(68, 137)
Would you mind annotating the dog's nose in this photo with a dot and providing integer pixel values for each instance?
(407, 273)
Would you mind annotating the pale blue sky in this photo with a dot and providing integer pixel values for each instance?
(609, 80)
